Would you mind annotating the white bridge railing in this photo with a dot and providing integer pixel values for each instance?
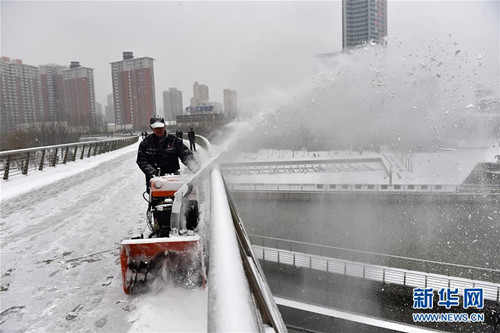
(385, 274)
(406, 188)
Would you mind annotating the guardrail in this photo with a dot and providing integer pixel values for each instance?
(407, 188)
(263, 296)
(386, 274)
(327, 163)
(264, 301)
(21, 161)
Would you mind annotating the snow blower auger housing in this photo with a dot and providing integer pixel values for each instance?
(173, 251)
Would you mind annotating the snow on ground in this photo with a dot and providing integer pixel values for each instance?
(447, 167)
(59, 243)
(155, 313)
(20, 184)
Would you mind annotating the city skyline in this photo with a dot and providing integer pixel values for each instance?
(258, 49)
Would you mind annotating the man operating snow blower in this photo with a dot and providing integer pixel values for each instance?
(159, 155)
(174, 248)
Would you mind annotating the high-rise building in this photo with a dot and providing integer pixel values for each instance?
(20, 94)
(172, 103)
(230, 102)
(363, 21)
(133, 91)
(200, 94)
(100, 118)
(109, 109)
(51, 78)
(79, 96)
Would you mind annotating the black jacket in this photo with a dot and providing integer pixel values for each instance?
(191, 136)
(164, 154)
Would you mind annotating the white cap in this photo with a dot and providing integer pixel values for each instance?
(158, 124)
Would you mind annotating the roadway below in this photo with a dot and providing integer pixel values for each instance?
(373, 299)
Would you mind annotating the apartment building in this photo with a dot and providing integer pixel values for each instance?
(133, 91)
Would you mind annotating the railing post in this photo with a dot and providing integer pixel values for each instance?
(7, 168)
(65, 158)
(42, 161)
(26, 164)
(83, 152)
(54, 159)
(74, 153)
(383, 275)
(90, 149)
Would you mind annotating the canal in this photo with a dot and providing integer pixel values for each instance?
(444, 228)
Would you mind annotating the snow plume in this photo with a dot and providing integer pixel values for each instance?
(166, 311)
(422, 95)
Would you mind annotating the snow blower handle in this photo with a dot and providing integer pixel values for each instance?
(176, 223)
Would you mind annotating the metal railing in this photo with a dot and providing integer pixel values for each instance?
(299, 167)
(264, 301)
(22, 161)
(413, 277)
(406, 188)
(400, 262)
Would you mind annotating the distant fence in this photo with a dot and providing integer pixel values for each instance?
(404, 271)
(406, 188)
(21, 161)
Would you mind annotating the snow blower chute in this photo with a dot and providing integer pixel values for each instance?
(173, 250)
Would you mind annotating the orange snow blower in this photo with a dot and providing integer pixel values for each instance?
(173, 251)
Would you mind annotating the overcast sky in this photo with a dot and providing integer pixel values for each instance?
(251, 47)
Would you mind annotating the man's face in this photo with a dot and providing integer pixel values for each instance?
(159, 131)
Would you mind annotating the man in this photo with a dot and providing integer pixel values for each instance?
(192, 139)
(179, 133)
(160, 152)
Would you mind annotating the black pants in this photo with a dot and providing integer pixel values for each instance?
(192, 145)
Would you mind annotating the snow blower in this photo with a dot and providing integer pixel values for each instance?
(173, 251)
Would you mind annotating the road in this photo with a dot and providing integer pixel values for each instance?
(60, 268)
